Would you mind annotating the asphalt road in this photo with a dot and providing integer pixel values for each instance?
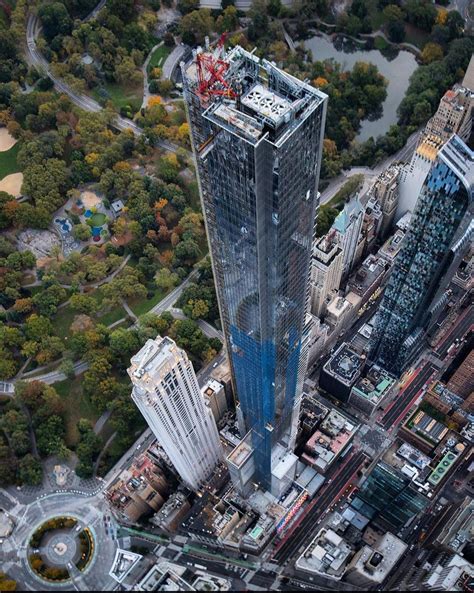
(35, 58)
(220, 569)
(403, 155)
(460, 328)
(309, 524)
(407, 396)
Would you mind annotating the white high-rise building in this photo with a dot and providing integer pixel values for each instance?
(326, 272)
(167, 393)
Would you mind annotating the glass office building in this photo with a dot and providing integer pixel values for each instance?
(443, 209)
(257, 137)
(389, 495)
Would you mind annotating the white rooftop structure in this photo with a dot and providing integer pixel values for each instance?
(124, 561)
(266, 103)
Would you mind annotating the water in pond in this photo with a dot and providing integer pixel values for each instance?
(397, 72)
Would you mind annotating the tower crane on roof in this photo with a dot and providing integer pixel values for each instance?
(211, 68)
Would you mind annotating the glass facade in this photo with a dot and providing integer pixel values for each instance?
(258, 159)
(389, 494)
(424, 258)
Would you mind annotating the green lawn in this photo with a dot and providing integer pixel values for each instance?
(8, 163)
(62, 321)
(142, 306)
(97, 219)
(380, 43)
(77, 406)
(120, 96)
(112, 316)
(65, 316)
(159, 56)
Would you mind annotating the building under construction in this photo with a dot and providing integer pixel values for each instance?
(257, 137)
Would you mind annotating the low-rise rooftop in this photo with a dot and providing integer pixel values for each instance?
(327, 555)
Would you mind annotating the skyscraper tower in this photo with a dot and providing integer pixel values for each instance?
(326, 272)
(257, 137)
(167, 393)
(423, 265)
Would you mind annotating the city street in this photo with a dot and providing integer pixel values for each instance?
(301, 534)
(461, 326)
(405, 399)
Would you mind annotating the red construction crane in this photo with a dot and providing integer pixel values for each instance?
(211, 68)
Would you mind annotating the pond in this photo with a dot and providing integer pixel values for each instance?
(397, 71)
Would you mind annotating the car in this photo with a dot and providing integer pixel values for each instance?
(214, 365)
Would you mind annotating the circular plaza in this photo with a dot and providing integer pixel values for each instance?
(58, 547)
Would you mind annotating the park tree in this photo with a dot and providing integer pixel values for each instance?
(168, 168)
(47, 300)
(55, 20)
(46, 184)
(229, 21)
(158, 323)
(30, 471)
(196, 25)
(197, 309)
(124, 343)
(23, 305)
(166, 279)
(87, 449)
(396, 31)
(455, 24)
(187, 252)
(185, 6)
(432, 52)
(8, 464)
(420, 13)
(82, 232)
(125, 285)
(15, 424)
(50, 437)
(83, 303)
(6, 583)
(37, 327)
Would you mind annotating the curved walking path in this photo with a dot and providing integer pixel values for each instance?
(80, 367)
(35, 58)
(97, 284)
(146, 90)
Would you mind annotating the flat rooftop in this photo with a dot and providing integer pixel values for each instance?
(413, 456)
(422, 424)
(240, 454)
(345, 364)
(375, 386)
(370, 271)
(392, 246)
(252, 97)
